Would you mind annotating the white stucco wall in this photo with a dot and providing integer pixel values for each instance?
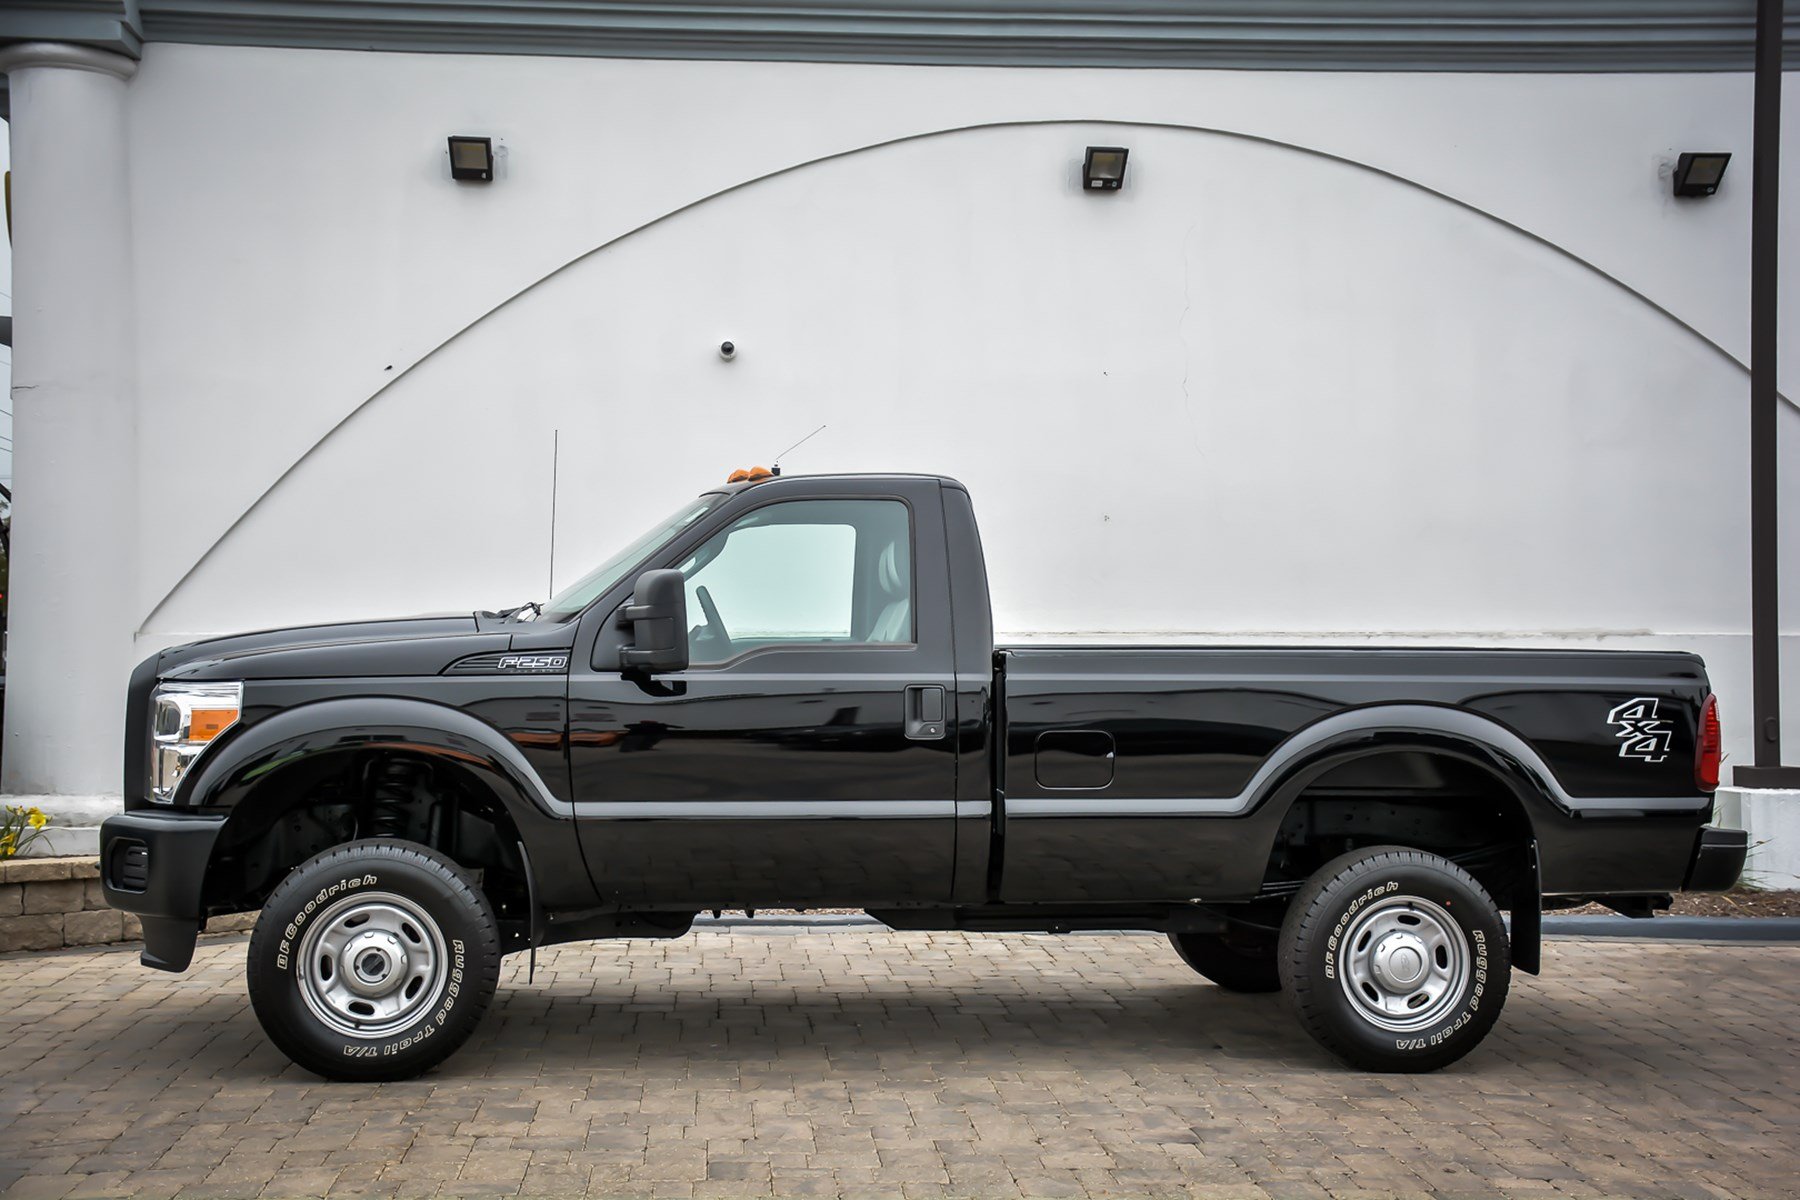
(1377, 357)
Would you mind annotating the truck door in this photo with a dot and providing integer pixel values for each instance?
(802, 758)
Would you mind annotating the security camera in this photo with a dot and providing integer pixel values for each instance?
(727, 351)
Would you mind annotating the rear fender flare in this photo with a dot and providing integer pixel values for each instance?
(1434, 729)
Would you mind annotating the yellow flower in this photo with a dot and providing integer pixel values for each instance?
(6, 844)
(38, 819)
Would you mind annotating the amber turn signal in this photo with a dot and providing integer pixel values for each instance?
(208, 723)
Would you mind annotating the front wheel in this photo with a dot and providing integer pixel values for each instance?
(1395, 960)
(374, 960)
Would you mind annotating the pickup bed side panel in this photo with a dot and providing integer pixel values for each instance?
(1163, 774)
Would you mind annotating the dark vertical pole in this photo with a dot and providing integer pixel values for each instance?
(1765, 628)
(555, 455)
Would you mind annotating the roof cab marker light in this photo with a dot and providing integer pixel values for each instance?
(753, 475)
(1708, 747)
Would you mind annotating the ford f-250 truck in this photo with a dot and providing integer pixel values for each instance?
(788, 694)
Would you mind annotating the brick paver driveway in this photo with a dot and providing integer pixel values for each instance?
(869, 1063)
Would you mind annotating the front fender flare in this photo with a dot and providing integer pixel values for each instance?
(226, 776)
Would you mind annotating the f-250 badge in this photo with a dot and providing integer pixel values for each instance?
(1642, 733)
(533, 662)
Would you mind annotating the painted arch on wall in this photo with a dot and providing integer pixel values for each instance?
(1274, 389)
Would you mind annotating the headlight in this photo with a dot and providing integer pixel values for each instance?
(184, 720)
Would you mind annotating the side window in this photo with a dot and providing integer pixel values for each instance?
(802, 572)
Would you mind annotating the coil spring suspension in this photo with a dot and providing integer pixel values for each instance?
(393, 792)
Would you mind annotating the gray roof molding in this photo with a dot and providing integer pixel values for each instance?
(1339, 35)
(102, 24)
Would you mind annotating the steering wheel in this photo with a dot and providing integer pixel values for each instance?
(715, 628)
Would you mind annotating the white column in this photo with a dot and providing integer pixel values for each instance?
(70, 642)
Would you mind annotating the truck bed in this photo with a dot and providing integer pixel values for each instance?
(1109, 752)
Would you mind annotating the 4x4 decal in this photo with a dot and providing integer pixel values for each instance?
(1642, 733)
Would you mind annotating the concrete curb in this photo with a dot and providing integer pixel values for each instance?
(1676, 929)
(800, 921)
(1682, 929)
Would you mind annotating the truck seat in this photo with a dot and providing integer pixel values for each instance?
(895, 622)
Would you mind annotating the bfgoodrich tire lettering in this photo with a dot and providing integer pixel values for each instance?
(1395, 960)
(374, 960)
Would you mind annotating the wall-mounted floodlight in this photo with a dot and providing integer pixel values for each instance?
(472, 158)
(1103, 170)
(1699, 174)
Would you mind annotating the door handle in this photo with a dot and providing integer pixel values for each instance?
(925, 713)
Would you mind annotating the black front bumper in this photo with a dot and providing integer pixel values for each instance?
(154, 864)
(1718, 859)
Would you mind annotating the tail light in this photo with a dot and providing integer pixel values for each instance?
(1708, 748)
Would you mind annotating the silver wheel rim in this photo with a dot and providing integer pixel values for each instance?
(371, 964)
(1405, 963)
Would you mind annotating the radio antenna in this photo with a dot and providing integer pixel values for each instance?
(555, 451)
(776, 468)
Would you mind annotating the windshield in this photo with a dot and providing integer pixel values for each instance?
(584, 591)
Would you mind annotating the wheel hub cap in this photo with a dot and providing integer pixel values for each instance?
(1399, 961)
(378, 963)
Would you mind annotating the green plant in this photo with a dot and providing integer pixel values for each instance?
(19, 828)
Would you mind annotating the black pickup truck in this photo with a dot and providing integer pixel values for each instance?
(788, 694)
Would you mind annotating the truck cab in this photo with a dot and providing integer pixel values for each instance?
(812, 749)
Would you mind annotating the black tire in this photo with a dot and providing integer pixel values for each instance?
(401, 959)
(1395, 960)
(1236, 960)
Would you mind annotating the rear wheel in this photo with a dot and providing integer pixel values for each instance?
(1238, 960)
(374, 960)
(1395, 960)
